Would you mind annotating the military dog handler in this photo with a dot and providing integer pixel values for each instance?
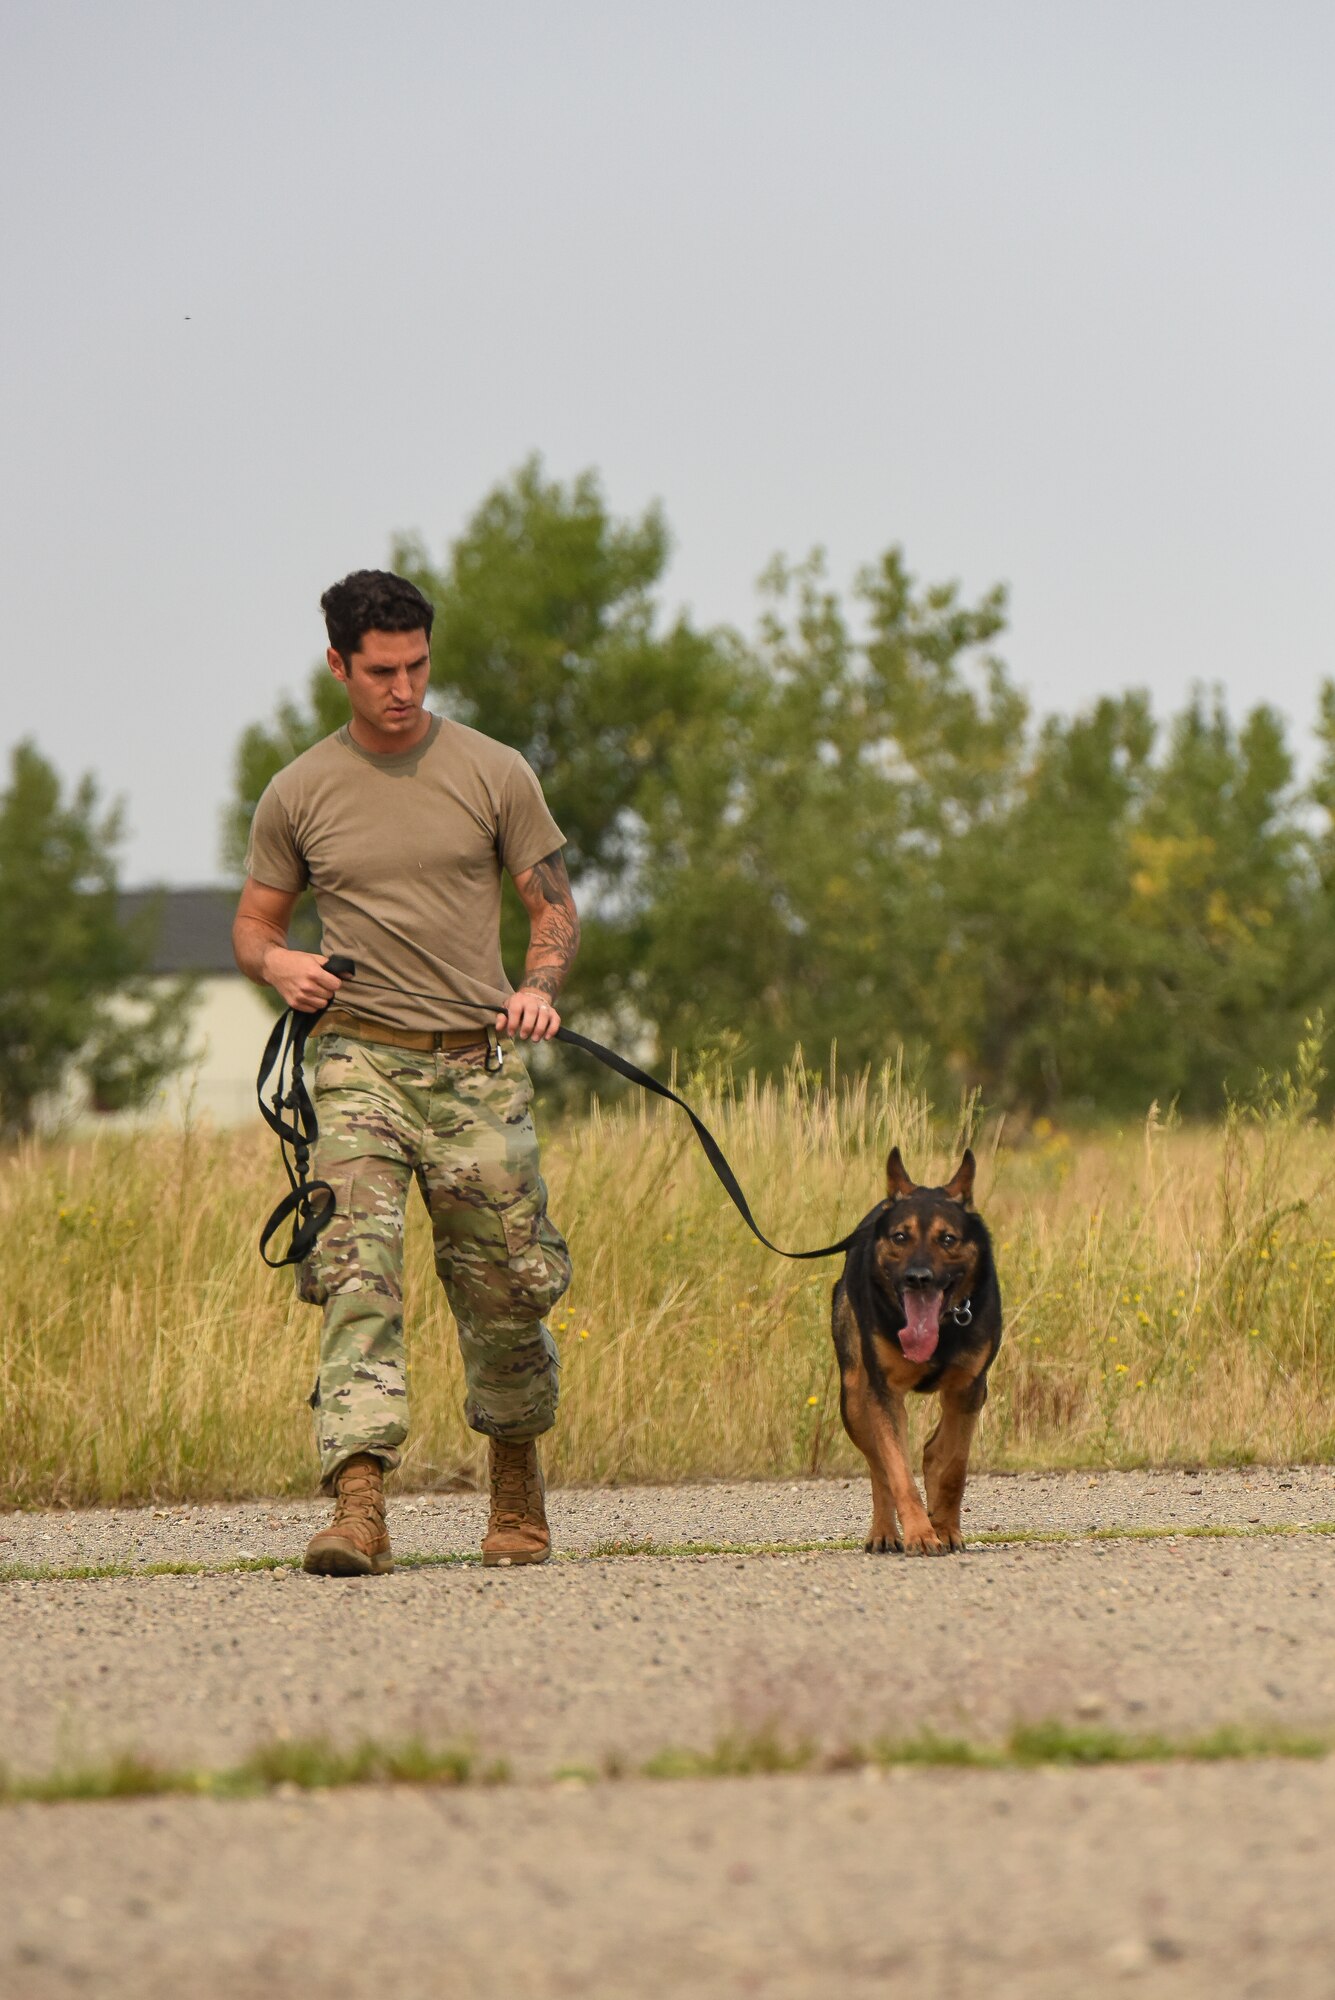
(401, 822)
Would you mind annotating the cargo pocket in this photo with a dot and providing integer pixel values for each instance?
(519, 1222)
(535, 1251)
(311, 1287)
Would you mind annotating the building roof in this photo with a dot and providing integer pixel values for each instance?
(194, 931)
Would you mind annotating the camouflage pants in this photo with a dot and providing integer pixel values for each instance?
(466, 1135)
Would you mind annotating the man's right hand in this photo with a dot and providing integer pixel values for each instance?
(300, 978)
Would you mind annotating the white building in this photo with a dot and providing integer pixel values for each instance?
(231, 1018)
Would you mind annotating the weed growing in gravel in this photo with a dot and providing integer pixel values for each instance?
(124, 1777)
(317, 1765)
(1170, 1298)
(635, 1551)
(1027, 1747)
(1064, 1743)
(732, 1757)
(308, 1765)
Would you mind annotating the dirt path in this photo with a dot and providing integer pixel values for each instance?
(1181, 1879)
(796, 1511)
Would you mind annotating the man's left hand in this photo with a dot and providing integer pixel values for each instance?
(529, 1016)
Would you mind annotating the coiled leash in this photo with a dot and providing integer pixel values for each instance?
(292, 1116)
(301, 1130)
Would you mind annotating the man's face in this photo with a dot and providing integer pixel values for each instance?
(386, 679)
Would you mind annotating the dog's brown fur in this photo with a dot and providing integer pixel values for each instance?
(932, 1240)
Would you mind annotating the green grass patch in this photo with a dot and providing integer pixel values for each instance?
(314, 1764)
(619, 1550)
(311, 1764)
(733, 1757)
(1029, 1746)
(122, 1777)
(1065, 1743)
(623, 1550)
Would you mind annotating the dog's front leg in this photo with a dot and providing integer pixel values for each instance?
(945, 1458)
(889, 1429)
(855, 1401)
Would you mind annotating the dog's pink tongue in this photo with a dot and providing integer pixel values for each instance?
(923, 1313)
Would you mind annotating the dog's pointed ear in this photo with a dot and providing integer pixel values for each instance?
(897, 1181)
(960, 1187)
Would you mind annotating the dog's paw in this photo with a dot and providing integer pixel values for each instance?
(950, 1538)
(883, 1545)
(926, 1544)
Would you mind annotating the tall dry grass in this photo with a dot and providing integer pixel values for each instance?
(1170, 1297)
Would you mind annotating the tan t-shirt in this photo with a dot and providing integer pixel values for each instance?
(404, 854)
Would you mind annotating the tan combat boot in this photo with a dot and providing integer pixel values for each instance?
(517, 1531)
(355, 1543)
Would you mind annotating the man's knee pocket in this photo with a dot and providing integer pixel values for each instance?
(361, 1249)
(513, 1259)
(537, 1253)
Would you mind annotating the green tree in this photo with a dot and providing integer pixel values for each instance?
(547, 637)
(1221, 885)
(1317, 947)
(849, 827)
(73, 986)
(881, 849)
(1036, 950)
(795, 881)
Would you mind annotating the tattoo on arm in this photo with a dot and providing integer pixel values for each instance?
(550, 880)
(554, 921)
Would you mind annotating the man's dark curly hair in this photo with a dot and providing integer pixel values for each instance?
(373, 600)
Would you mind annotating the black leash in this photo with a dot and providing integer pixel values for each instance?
(712, 1150)
(292, 1116)
(301, 1130)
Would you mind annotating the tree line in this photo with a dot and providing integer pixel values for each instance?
(849, 825)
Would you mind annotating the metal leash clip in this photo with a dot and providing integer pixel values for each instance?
(495, 1053)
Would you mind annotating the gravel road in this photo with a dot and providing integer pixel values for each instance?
(1185, 1882)
(796, 1511)
(1181, 1879)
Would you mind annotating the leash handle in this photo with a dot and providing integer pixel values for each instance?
(309, 1203)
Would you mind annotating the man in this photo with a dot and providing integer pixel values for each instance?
(401, 823)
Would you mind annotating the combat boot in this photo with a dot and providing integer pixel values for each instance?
(517, 1531)
(356, 1542)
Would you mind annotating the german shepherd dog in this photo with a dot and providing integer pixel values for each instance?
(917, 1308)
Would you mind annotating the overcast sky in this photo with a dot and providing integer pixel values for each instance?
(1044, 292)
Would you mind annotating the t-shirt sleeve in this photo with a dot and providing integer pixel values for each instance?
(272, 854)
(525, 830)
